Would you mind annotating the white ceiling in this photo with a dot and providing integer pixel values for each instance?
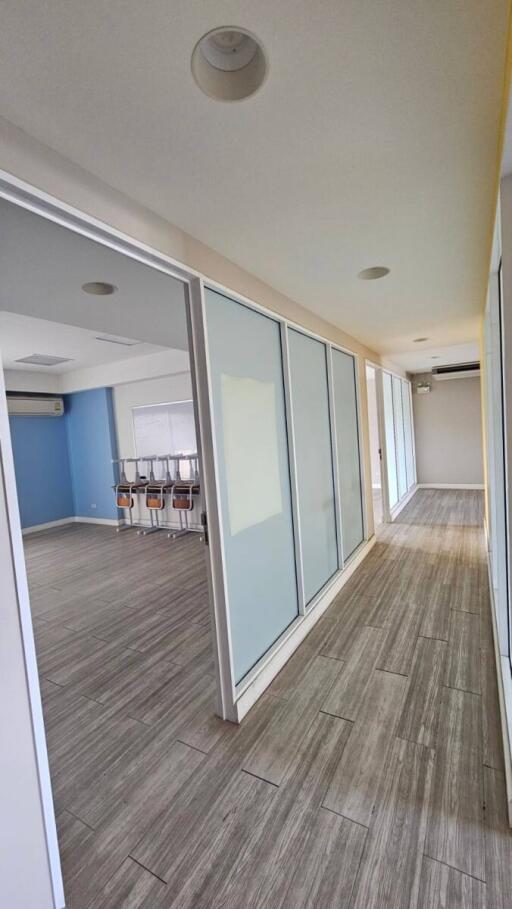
(21, 336)
(424, 357)
(43, 267)
(372, 142)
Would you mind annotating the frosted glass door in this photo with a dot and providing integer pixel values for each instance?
(399, 436)
(247, 398)
(347, 447)
(313, 457)
(390, 440)
(409, 446)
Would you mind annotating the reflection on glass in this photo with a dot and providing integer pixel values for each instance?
(390, 439)
(399, 436)
(347, 443)
(409, 449)
(251, 449)
(313, 456)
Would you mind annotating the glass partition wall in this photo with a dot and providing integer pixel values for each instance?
(399, 439)
(286, 447)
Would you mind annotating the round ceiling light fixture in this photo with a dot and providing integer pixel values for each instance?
(419, 340)
(99, 288)
(229, 64)
(371, 274)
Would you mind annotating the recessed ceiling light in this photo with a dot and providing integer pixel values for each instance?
(99, 288)
(435, 358)
(371, 274)
(229, 64)
(419, 340)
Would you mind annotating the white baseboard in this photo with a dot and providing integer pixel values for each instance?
(504, 695)
(47, 526)
(406, 499)
(450, 486)
(282, 650)
(75, 519)
(109, 522)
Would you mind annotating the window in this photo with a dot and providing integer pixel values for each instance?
(162, 429)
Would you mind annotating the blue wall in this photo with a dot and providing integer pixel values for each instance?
(43, 475)
(63, 464)
(92, 445)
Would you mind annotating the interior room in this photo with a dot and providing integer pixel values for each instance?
(107, 476)
(255, 459)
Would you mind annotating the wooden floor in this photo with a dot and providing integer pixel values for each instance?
(369, 775)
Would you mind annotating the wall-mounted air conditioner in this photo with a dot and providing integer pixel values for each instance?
(34, 405)
(458, 371)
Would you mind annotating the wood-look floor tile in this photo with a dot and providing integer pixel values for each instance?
(463, 661)
(390, 870)
(498, 841)
(491, 721)
(398, 649)
(420, 715)
(275, 750)
(347, 694)
(455, 834)
(442, 887)
(131, 887)
(357, 778)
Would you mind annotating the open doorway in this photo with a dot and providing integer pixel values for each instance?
(96, 363)
(375, 445)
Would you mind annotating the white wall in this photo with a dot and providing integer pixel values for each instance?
(447, 427)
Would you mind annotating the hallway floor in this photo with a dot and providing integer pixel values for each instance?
(369, 775)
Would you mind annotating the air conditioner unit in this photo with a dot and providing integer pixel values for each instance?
(458, 371)
(34, 406)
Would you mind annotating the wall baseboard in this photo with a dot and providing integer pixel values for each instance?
(46, 526)
(504, 692)
(450, 486)
(285, 647)
(74, 519)
(109, 522)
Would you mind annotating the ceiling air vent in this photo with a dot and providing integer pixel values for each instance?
(457, 371)
(43, 360)
(124, 342)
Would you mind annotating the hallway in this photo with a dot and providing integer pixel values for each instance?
(376, 782)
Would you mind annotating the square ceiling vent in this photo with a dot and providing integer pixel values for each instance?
(43, 360)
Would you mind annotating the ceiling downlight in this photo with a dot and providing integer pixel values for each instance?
(229, 64)
(99, 288)
(373, 273)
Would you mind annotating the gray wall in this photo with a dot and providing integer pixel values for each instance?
(447, 429)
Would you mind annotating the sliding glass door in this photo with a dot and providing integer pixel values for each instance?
(399, 434)
(313, 458)
(280, 416)
(344, 388)
(247, 397)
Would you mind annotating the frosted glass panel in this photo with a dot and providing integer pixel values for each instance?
(313, 455)
(399, 436)
(409, 451)
(252, 461)
(390, 439)
(347, 439)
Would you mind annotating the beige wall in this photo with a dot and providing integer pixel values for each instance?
(448, 434)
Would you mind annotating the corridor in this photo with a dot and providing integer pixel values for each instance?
(369, 774)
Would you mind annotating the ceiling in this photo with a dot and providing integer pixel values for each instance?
(424, 357)
(372, 142)
(43, 267)
(22, 336)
